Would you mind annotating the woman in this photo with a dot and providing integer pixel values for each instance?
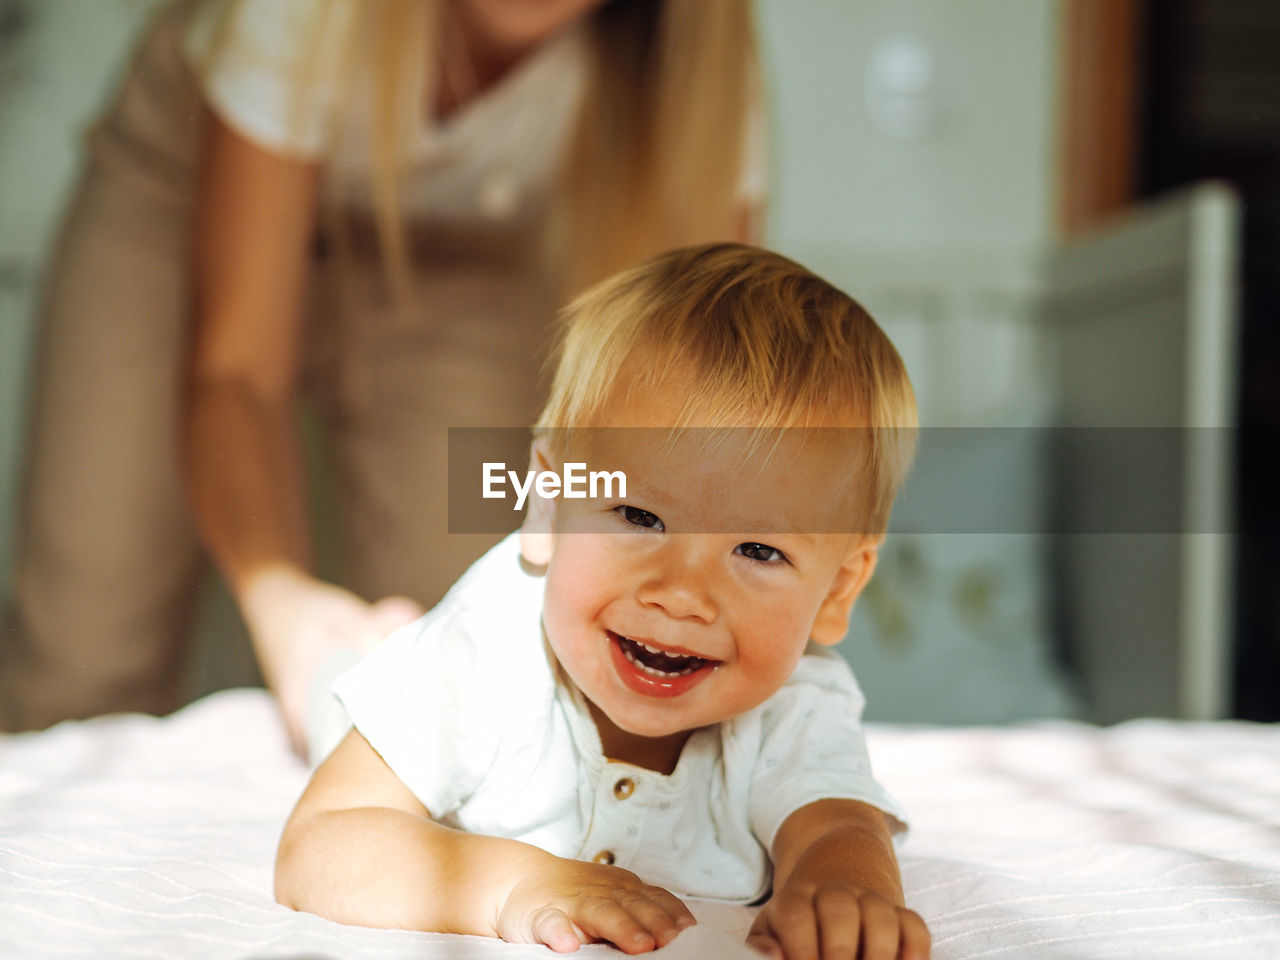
(370, 205)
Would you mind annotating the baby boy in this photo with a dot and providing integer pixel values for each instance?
(629, 702)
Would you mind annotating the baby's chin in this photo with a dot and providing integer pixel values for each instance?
(662, 719)
(653, 731)
(658, 727)
(641, 726)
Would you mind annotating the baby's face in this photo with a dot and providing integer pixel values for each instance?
(661, 609)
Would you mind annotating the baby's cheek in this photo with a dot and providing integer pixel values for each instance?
(571, 601)
(556, 606)
(773, 647)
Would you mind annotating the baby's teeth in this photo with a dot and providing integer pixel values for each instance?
(654, 671)
(669, 656)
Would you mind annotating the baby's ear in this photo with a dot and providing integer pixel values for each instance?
(832, 621)
(536, 538)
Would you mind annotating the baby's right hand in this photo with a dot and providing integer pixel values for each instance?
(566, 903)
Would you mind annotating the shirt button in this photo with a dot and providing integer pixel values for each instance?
(624, 788)
(605, 857)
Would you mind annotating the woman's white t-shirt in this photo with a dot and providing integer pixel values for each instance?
(482, 161)
(485, 158)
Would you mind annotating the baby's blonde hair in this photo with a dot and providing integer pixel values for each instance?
(758, 340)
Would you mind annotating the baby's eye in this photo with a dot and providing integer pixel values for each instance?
(760, 551)
(640, 518)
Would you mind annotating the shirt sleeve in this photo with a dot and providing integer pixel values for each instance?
(812, 748)
(271, 69)
(414, 699)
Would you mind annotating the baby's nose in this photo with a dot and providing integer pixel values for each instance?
(681, 588)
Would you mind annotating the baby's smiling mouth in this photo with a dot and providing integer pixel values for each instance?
(656, 662)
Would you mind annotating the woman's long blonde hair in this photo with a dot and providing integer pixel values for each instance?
(657, 156)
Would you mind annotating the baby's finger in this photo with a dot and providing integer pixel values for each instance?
(608, 919)
(765, 943)
(794, 925)
(673, 905)
(839, 923)
(554, 928)
(655, 913)
(879, 929)
(916, 940)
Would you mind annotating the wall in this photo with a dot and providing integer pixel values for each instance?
(913, 144)
(924, 125)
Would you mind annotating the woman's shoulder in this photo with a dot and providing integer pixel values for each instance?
(275, 31)
(272, 68)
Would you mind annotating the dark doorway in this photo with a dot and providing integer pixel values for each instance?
(1210, 108)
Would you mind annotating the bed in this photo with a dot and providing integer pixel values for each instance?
(132, 836)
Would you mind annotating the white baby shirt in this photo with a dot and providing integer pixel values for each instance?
(469, 710)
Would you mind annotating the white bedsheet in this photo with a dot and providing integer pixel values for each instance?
(135, 837)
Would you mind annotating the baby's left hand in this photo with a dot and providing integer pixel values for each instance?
(837, 921)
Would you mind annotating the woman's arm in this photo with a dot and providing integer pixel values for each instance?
(256, 212)
(836, 889)
(359, 848)
(254, 220)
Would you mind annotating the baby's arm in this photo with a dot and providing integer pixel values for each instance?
(359, 848)
(836, 889)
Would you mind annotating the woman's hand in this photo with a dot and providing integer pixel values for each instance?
(298, 622)
(567, 903)
(835, 920)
